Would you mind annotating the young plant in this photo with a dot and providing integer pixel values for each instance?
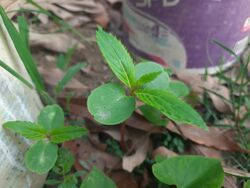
(48, 132)
(111, 103)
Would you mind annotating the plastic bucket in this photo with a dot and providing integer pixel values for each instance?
(179, 33)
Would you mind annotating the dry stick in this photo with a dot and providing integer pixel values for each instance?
(122, 136)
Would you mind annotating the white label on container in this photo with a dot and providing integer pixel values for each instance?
(246, 26)
(155, 39)
(165, 3)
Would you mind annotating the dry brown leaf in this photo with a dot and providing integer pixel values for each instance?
(215, 138)
(236, 172)
(55, 42)
(163, 151)
(197, 83)
(53, 75)
(134, 160)
(75, 12)
(124, 179)
(84, 151)
(10, 5)
(230, 182)
(206, 151)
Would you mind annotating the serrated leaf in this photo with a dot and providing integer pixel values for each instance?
(178, 88)
(160, 82)
(68, 76)
(146, 78)
(153, 115)
(29, 130)
(66, 133)
(116, 56)
(51, 117)
(41, 157)
(97, 179)
(190, 172)
(64, 162)
(23, 51)
(109, 105)
(171, 106)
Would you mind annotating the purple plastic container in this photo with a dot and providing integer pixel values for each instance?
(179, 33)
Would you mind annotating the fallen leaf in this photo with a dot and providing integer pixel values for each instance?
(163, 151)
(199, 84)
(206, 151)
(55, 42)
(124, 179)
(86, 153)
(215, 138)
(53, 75)
(134, 160)
(230, 182)
(236, 172)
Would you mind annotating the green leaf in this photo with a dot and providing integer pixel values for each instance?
(171, 106)
(146, 78)
(178, 88)
(63, 60)
(29, 130)
(23, 51)
(51, 117)
(23, 29)
(66, 133)
(52, 182)
(161, 81)
(68, 76)
(116, 56)
(64, 161)
(16, 74)
(97, 179)
(41, 157)
(247, 184)
(190, 172)
(153, 115)
(69, 182)
(109, 105)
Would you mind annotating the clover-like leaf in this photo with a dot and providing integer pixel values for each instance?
(51, 117)
(109, 105)
(178, 88)
(161, 81)
(116, 56)
(190, 172)
(29, 130)
(97, 179)
(66, 133)
(171, 106)
(41, 157)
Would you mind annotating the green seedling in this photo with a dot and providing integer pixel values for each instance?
(48, 131)
(113, 103)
